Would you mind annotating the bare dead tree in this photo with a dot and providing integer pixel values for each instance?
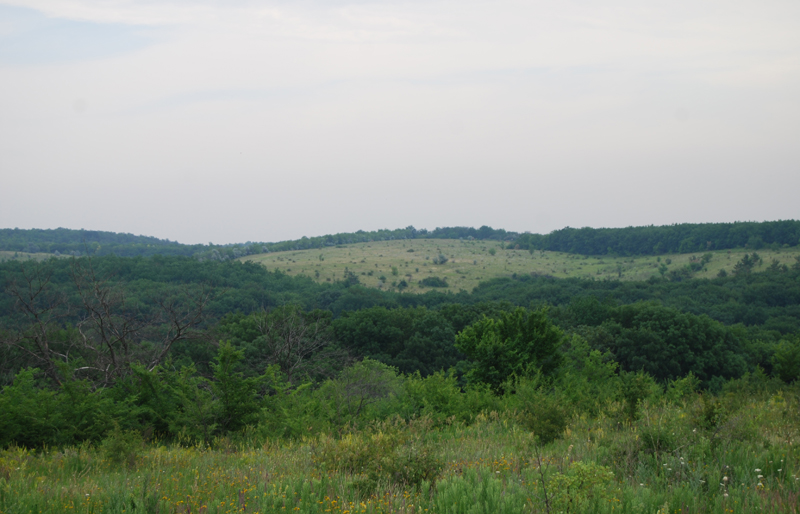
(112, 332)
(298, 342)
(116, 333)
(41, 309)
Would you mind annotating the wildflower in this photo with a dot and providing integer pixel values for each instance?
(724, 479)
(758, 470)
(760, 477)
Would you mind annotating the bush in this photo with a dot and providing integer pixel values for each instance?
(392, 454)
(786, 360)
(636, 387)
(580, 489)
(541, 413)
(433, 282)
(122, 446)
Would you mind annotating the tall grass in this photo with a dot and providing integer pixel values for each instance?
(684, 457)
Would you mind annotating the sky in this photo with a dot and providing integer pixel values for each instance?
(231, 121)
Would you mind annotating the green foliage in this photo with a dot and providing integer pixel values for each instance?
(414, 339)
(479, 492)
(239, 403)
(636, 387)
(518, 344)
(581, 488)
(669, 344)
(122, 446)
(440, 259)
(34, 416)
(746, 264)
(683, 389)
(359, 386)
(680, 238)
(196, 417)
(588, 378)
(545, 415)
(433, 282)
(786, 360)
(387, 455)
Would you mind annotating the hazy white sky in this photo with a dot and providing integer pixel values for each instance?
(230, 121)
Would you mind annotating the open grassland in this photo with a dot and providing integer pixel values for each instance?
(22, 256)
(700, 454)
(385, 264)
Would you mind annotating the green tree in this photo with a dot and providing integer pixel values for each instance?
(517, 343)
(238, 396)
(786, 360)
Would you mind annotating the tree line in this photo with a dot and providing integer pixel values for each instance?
(629, 241)
(655, 240)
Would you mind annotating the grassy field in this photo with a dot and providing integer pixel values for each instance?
(675, 458)
(22, 256)
(385, 264)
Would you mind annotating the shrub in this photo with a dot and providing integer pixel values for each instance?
(581, 487)
(388, 455)
(635, 388)
(786, 360)
(540, 412)
(547, 419)
(656, 439)
(122, 446)
(433, 282)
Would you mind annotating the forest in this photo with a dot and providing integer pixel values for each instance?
(162, 382)
(650, 240)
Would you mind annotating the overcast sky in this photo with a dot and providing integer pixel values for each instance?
(232, 121)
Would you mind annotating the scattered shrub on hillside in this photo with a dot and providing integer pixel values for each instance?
(433, 282)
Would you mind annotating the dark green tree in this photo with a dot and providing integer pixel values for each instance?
(786, 360)
(238, 396)
(516, 343)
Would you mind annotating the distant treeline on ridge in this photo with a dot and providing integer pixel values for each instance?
(629, 241)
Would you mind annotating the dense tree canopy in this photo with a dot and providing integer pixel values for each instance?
(517, 343)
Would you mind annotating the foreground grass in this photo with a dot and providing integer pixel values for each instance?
(471, 262)
(728, 455)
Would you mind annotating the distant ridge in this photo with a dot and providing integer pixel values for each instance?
(645, 240)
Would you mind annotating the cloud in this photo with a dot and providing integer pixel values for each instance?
(28, 37)
(271, 120)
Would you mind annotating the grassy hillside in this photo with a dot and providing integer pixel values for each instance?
(23, 256)
(470, 262)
